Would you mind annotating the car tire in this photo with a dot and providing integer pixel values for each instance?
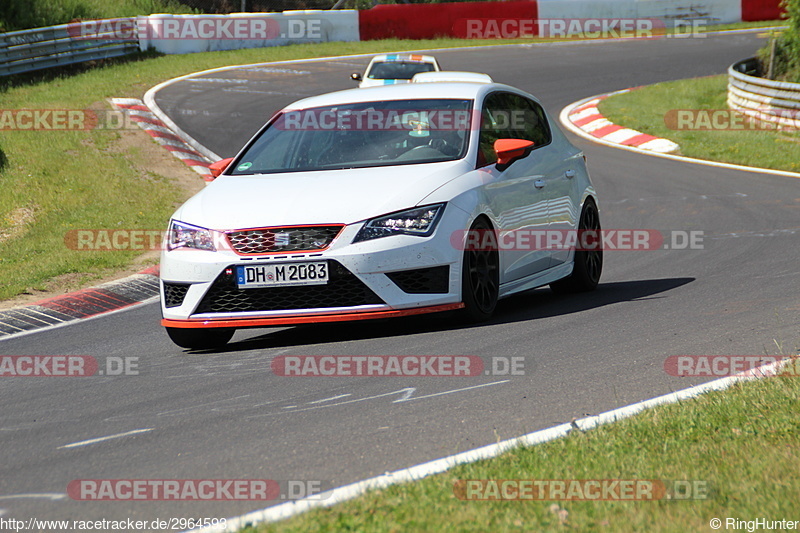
(480, 278)
(588, 264)
(200, 339)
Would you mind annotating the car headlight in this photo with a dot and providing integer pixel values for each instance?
(420, 221)
(182, 235)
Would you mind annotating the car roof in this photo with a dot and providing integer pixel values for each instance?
(406, 91)
(388, 58)
(451, 76)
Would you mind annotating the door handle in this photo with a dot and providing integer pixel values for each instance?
(570, 173)
(539, 184)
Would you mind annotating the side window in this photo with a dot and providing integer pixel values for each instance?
(510, 116)
(491, 128)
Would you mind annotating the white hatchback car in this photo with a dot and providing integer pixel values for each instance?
(391, 69)
(390, 202)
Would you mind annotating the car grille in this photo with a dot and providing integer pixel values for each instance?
(432, 280)
(343, 289)
(282, 239)
(174, 293)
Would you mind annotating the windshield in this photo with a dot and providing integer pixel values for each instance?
(398, 70)
(364, 134)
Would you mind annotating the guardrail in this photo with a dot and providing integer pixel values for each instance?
(65, 44)
(776, 102)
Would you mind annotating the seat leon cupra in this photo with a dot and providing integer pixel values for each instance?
(397, 200)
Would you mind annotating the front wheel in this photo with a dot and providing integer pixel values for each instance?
(200, 339)
(480, 278)
(588, 264)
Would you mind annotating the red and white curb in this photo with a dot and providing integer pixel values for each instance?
(586, 106)
(588, 118)
(163, 135)
(86, 303)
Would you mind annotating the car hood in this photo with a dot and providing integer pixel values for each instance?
(325, 197)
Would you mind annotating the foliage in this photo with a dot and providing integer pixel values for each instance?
(25, 14)
(786, 58)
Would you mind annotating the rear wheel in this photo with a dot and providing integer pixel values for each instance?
(480, 281)
(200, 339)
(588, 263)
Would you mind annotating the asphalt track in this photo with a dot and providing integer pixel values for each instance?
(225, 415)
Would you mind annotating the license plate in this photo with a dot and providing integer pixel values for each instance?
(281, 275)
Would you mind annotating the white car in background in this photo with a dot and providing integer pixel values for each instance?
(364, 204)
(391, 69)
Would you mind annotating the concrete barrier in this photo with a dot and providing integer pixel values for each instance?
(182, 34)
(765, 100)
(669, 11)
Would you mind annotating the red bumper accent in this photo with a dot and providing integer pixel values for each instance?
(250, 322)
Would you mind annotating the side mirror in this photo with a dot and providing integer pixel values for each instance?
(355, 76)
(219, 167)
(509, 150)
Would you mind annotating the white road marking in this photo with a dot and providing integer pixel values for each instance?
(405, 393)
(35, 495)
(191, 407)
(101, 439)
(401, 391)
(276, 70)
(218, 80)
(330, 399)
(408, 399)
(406, 396)
(763, 233)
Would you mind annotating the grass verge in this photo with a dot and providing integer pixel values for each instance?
(743, 443)
(57, 181)
(24, 14)
(652, 110)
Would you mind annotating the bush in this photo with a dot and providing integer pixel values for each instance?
(786, 62)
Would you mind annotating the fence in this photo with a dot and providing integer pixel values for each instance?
(765, 100)
(40, 48)
(29, 50)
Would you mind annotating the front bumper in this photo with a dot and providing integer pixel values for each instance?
(369, 279)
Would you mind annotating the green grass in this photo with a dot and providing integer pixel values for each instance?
(743, 442)
(746, 25)
(645, 110)
(24, 14)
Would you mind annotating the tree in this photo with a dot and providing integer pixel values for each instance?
(785, 60)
